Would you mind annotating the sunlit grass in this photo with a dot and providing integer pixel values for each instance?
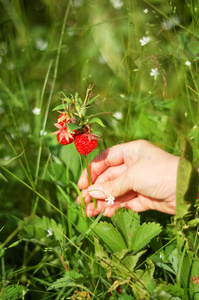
(142, 57)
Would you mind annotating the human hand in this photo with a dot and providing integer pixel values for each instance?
(139, 175)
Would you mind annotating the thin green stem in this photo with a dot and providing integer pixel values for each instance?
(28, 186)
(89, 179)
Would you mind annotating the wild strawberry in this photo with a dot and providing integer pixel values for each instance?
(63, 119)
(85, 143)
(64, 135)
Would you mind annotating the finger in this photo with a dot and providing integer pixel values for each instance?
(110, 173)
(109, 157)
(116, 187)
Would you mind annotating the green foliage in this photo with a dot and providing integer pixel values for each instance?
(14, 292)
(48, 248)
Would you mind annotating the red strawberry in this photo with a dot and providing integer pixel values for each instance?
(64, 135)
(85, 143)
(63, 119)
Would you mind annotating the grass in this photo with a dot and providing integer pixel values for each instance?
(48, 249)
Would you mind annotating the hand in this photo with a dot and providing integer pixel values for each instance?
(138, 174)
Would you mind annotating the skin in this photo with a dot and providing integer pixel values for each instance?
(139, 175)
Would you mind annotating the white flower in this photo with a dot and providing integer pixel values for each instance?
(118, 115)
(117, 4)
(77, 3)
(169, 24)
(42, 132)
(41, 44)
(110, 200)
(144, 40)
(49, 232)
(188, 63)
(154, 72)
(36, 111)
(145, 11)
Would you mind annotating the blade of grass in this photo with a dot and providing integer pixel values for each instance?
(20, 161)
(45, 119)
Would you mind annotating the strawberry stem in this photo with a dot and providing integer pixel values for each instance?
(89, 179)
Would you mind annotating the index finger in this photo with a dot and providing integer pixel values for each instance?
(109, 157)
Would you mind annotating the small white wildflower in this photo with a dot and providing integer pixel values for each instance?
(49, 232)
(169, 24)
(41, 44)
(144, 40)
(42, 132)
(110, 200)
(118, 115)
(36, 111)
(145, 11)
(25, 127)
(154, 72)
(77, 3)
(10, 66)
(188, 63)
(117, 4)
(6, 157)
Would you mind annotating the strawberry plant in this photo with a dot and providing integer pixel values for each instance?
(75, 126)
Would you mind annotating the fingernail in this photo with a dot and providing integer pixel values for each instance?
(95, 191)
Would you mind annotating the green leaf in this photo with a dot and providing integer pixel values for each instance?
(130, 261)
(91, 100)
(127, 221)
(73, 126)
(143, 235)
(15, 292)
(71, 277)
(101, 254)
(174, 290)
(43, 231)
(96, 120)
(6, 162)
(59, 107)
(110, 237)
(187, 181)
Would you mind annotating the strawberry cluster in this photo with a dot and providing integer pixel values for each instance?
(85, 142)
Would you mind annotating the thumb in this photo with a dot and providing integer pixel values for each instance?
(116, 187)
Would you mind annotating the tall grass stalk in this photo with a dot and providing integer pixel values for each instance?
(51, 91)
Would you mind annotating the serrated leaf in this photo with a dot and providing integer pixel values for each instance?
(174, 290)
(130, 261)
(127, 221)
(143, 235)
(101, 254)
(15, 291)
(33, 233)
(72, 277)
(110, 237)
(96, 120)
(73, 126)
(42, 231)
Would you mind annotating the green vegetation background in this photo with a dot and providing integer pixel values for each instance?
(101, 46)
